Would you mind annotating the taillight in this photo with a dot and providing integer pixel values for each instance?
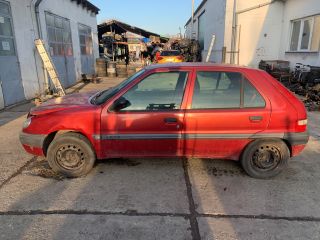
(302, 125)
(160, 58)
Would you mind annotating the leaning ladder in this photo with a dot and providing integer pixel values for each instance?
(49, 66)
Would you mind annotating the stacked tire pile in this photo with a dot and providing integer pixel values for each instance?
(121, 70)
(111, 70)
(101, 67)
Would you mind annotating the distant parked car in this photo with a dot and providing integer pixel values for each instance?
(173, 110)
(171, 56)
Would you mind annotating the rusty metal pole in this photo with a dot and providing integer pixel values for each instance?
(224, 51)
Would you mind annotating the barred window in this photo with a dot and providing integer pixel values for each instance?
(305, 34)
(7, 45)
(59, 35)
(85, 36)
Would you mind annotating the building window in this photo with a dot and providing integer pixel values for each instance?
(201, 30)
(85, 36)
(305, 34)
(7, 45)
(59, 35)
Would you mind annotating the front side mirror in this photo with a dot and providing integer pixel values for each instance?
(119, 104)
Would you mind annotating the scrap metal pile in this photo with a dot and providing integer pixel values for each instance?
(304, 80)
(190, 49)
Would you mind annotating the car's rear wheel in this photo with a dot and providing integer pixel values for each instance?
(265, 158)
(71, 154)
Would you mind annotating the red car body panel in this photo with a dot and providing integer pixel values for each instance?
(210, 133)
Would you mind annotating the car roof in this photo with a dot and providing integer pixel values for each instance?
(197, 64)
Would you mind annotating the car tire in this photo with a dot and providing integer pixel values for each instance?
(71, 154)
(265, 158)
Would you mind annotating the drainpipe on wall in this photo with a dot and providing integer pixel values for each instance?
(39, 30)
(234, 31)
(235, 25)
(36, 9)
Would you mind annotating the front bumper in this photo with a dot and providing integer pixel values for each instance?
(33, 143)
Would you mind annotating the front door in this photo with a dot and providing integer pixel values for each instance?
(152, 122)
(225, 111)
(10, 76)
(61, 50)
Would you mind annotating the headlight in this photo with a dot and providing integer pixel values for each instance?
(27, 122)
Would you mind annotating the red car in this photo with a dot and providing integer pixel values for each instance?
(173, 110)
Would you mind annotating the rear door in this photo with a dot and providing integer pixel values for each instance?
(224, 111)
(152, 124)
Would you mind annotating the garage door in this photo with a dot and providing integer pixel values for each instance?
(87, 59)
(10, 76)
(61, 50)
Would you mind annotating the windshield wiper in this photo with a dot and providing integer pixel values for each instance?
(99, 94)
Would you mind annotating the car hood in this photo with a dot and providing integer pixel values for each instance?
(63, 103)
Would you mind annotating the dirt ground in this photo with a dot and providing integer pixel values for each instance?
(154, 198)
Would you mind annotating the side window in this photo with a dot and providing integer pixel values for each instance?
(251, 97)
(217, 90)
(158, 91)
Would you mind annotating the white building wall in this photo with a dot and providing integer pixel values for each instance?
(215, 24)
(295, 9)
(25, 31)
(76, 14)
(265, 31)
(260, 32)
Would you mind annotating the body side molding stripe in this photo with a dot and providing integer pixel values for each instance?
(185, 136)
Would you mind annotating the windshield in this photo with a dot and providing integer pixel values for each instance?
(103, 96)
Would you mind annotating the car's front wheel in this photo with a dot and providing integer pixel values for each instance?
(265, 158)
(71, 154)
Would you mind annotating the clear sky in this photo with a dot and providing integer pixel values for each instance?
(162, 16)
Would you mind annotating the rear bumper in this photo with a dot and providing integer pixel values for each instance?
(297, 141)
(301, 138)
(33, 143)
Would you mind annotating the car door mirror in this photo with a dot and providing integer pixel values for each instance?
(119, 104)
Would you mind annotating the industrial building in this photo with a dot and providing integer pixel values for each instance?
(249, 31)
(69, 30)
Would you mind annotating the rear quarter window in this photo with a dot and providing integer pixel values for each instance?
(251, 97)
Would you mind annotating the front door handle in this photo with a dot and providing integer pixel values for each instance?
(255, 118)
(171, 120)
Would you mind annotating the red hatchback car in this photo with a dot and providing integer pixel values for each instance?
(173, 110)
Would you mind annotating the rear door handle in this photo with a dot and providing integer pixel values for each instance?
(255, 118)
(170, 120)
